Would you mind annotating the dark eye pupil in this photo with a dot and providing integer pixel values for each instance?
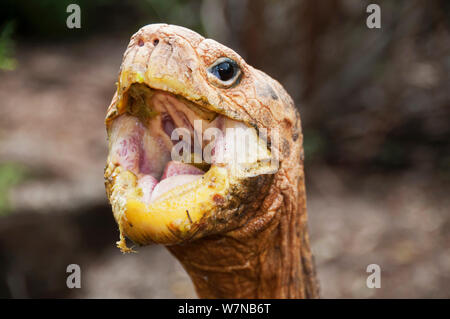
(225, 70)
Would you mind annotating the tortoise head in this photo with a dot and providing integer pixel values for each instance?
(196, 136)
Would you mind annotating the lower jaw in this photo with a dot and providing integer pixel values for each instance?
(177, 215)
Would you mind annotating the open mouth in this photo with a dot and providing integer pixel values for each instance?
(173, 165)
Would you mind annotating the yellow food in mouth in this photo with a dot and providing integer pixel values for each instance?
(158, 199)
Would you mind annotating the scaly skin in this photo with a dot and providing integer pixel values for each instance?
(260, 248)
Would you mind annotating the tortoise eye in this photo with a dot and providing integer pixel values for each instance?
(226, 71)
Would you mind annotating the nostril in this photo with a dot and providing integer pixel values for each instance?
(140, 42)
(155, 42)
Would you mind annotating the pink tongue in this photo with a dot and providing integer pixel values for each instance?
(152, 189)
(175, 174)
(147, 183)
(177, 168)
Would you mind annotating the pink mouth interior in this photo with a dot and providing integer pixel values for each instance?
(145, 149)
(175, 174)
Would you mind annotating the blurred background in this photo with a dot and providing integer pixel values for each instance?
(375, 107)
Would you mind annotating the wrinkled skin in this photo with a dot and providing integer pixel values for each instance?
(253, 242)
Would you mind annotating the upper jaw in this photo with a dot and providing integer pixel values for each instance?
(152, 205)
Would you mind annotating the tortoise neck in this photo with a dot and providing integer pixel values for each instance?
(269, 259)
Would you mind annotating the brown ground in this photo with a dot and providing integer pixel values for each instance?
(51, 120)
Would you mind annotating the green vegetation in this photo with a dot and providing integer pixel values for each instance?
(7, 62)
(314, 144)
(46, 19)
(11, 174)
